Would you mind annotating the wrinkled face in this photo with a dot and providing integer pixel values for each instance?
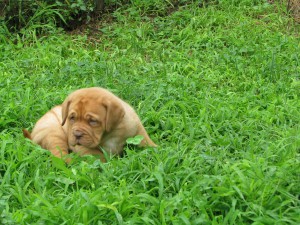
(88, 114)
(86, 123)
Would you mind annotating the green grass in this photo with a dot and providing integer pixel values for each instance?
(216, 87)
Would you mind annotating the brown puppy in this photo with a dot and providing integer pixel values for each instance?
(88, 119)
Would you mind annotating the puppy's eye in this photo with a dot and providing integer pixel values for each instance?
(72, 119)
(93, 122)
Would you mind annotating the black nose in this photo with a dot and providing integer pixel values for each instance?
(78, 134)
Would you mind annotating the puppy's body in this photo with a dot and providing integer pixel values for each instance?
(129, 126)
(89, 119)
(49, 133)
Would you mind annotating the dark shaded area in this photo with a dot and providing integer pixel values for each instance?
(71, 14)
(18, 14)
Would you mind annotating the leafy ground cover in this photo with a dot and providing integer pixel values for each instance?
(217, 87)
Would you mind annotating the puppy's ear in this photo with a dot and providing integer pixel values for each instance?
(65, 111)
(114, 114)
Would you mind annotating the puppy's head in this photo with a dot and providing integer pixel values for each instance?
(88, 114)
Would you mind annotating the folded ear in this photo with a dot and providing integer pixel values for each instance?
(114, 113)
(65, 111)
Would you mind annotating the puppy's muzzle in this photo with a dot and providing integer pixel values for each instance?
(78, 134)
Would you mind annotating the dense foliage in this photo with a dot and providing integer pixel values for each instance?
(69, 13)
(23, 13)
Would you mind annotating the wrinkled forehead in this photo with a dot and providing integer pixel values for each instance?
(91, 106)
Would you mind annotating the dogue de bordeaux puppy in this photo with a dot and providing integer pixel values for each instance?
(88, 119)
